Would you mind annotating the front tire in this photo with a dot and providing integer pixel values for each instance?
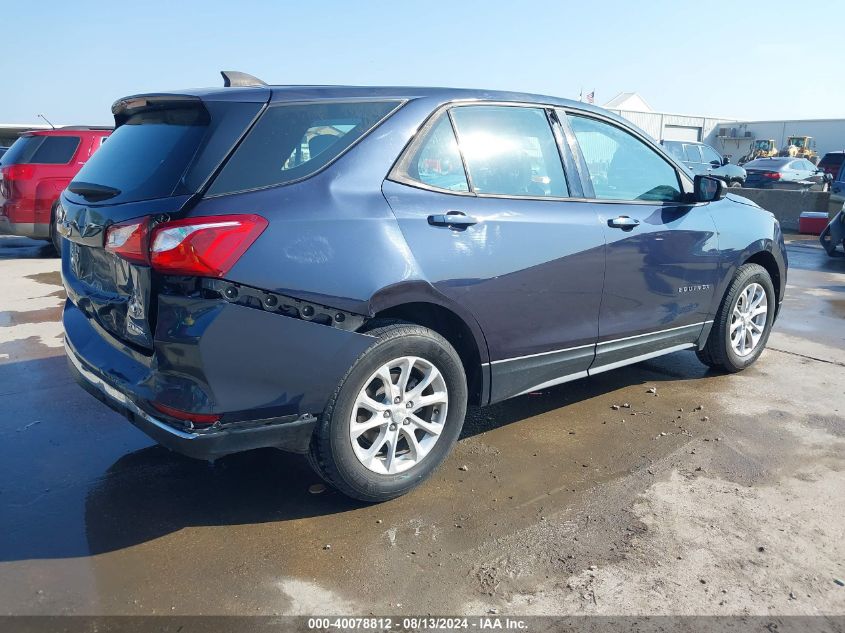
(395, 415)
(743, 322)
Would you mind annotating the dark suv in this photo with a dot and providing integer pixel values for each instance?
(339, 271)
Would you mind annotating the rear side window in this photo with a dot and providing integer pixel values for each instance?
(621, 166)
(510, 151)
(291, 142)
(43, 150)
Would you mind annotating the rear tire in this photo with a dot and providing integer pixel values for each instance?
(399, 350)
(731, 345)
(55, 238)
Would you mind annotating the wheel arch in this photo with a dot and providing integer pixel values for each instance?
(768, 261)
(422, 305)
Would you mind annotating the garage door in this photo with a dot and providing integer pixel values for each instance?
(681, 133)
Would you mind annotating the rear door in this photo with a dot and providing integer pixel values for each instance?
(662, 252)
(483, 200)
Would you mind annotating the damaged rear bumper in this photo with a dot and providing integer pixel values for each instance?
(292, 435)
(269, 376)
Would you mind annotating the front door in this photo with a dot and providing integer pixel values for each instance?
(662, 254)
(490, 225)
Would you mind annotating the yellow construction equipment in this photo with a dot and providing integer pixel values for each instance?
(800, 147)
(762, 148)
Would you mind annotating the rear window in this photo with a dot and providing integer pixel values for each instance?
(832, 161)
(291, 142)
(767, 163)
(43, 150)
(146, 156)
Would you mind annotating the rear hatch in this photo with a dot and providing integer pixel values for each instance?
(164, 150)
(26, 154)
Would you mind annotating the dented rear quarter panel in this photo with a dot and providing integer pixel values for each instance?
(333, 239)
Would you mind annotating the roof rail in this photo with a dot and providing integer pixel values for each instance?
(237, 79)
(84, 127)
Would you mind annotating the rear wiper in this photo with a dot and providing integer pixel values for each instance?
(93, 192)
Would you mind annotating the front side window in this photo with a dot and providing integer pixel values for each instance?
(711, 155)
(510, 150)
(436, 161)
(676, 149)
(621, 166)
(693, 153)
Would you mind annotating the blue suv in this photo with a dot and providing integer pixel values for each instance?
(340, 271)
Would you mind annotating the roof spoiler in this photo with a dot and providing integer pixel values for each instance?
(237, 79)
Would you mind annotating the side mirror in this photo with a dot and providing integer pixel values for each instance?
(725, 160)
(708, 189)
(716, 163)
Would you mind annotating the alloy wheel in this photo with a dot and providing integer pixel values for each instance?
(748, 320)
(398, 415)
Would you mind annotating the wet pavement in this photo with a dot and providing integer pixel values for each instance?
(565, 504)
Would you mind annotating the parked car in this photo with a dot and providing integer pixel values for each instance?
(33, 173)
(366, 262)
(785, 173)
(706, 161)
(832, 162)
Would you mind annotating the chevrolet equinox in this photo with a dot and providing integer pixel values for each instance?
(340, 271)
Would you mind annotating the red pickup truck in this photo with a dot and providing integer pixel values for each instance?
(35, 170)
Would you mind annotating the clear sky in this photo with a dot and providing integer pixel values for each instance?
(71, 60)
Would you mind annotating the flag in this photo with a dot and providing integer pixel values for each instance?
(591, 96)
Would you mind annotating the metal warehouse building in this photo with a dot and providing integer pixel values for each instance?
(730, 137)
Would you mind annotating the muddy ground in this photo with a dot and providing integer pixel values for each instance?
(716, 495)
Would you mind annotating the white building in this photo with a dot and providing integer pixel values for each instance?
(730, 137)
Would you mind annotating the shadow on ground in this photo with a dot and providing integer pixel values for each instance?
(77, 479)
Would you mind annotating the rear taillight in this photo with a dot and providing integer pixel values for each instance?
(199, 419)
(205, 247)
(129, 241)
(17, 172)
(771, 175)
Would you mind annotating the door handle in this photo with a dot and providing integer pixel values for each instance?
(623, 222)
(452, 219)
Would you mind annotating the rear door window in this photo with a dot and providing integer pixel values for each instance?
(621, 166)
(42, 150)
(510, 150)
(434, 161)
(292, 142)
